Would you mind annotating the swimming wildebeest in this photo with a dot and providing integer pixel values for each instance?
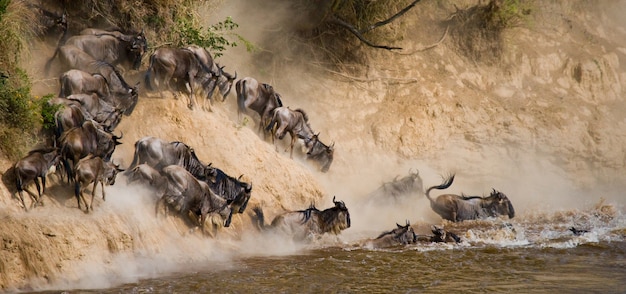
(398, 188)
(262, 98)
(33, 166)
(459, 208)
(224, 80)
(175, 67)
(295, 122)
(186, 194)
(311, 221)
(440, 236)
(93, 169)
(401, 235)
(319, 153)
(159, 153)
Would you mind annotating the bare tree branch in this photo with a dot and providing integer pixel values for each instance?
(384, 22)
(354, 31)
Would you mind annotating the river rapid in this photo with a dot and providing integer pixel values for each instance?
(533, 253)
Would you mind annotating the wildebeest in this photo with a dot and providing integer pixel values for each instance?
(309, 222)
(139, 43)
(99, 110)
(262, 98)
(70, 115)
(121, 94)
(70, 57)
(76, 81)
(578, 232)
(398, 188)
(159, 153)
(124, 50)
(459, 208)
(145, 173)
(33, 166)
(236, 192)
(295, 122)
(175, 67)
(224, 80)
(321, 154)
(93, 169)
(401, 235)
(77, 143)
(440, 236)
(105, 80)
(185, 194)
(52, 26)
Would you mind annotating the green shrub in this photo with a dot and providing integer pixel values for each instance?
(216, 38)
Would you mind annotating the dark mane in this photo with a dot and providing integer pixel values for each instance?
(45, 149)
(466, 197)
(101, 63)
(308, 212)
(304, 115)
(226, 186)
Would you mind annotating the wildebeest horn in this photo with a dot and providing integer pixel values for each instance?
(239, 178)
(398, 225)
(334, 199)
(234, 78)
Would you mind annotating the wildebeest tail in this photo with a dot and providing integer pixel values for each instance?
(272, 122)
(19, 183)
(240, 87)
(148, 75)
(446, 183)
(64, 85)
(258, 218)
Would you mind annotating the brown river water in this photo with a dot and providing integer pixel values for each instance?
(532, 253)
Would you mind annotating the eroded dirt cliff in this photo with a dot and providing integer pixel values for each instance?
(546, 123)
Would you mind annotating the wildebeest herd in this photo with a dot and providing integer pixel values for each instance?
(94, 97)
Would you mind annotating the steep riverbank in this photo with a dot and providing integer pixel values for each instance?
(548, 118)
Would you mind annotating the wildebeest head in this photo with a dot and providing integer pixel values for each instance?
(138, 46)
(441, 235)
(110, 172)
(244, 196)
(498, 204)
(320, 153)
(107, 142)
(226, 83)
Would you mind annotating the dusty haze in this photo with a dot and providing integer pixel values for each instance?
(546, 126)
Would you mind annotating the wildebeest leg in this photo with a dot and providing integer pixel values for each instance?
(37, 199)
(229, 219)
(78, 193)
(293, 142)
(189, 85)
